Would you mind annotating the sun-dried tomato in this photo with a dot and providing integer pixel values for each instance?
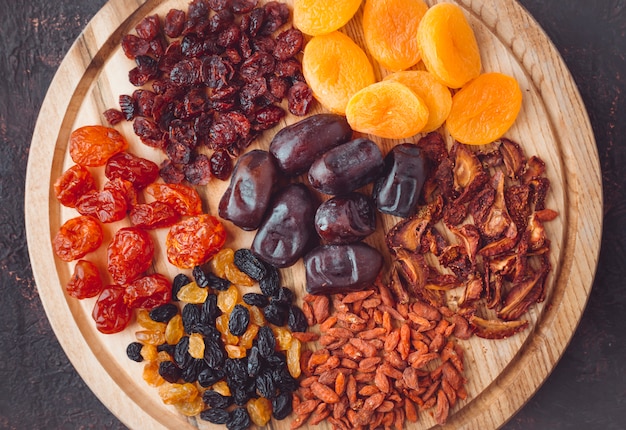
(139, 171)
(85, 281)
(153, 215)
(77, 237)
(148, 292)
(72, 184)
(93, 145)
(129, 254)
(183, 198)
(193, 241)
(110, 312)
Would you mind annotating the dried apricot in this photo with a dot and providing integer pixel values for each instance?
(436, 95)
(448, 45)
(317, 17)
(93, 145)
(483, 110)
(335, 68)
(389, 29)
(387, 109)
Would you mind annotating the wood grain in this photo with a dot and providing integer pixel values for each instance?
(503, 375)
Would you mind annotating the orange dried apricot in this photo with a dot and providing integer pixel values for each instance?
(389, 29)
(317, 17)
(448, 45)
(93, 145)
(484, 109)
(436, 95)
(335, 68)
(387, 109)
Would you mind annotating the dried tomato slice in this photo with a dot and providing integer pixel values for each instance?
(194, 241)
(77, 237)
(129, 254)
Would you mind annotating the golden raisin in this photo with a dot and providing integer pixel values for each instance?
(237, 277)
(260, 410)
(151, 374)
(150, 337)
(144, 320)
(235, 351)
(174, 330)
(316, 17)
(149, 352)
(192, 293)
(172, 393)
(221, 323)
(389, 29)
(223, 258)
(283, 338)
(335, 68)
(222, 388)
(226, 300)
(190, 408)
(246, 339)
(196, 345)
(387, 109)
(293, 358)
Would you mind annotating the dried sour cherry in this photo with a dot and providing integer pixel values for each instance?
(77, 237)
(129, 254)
(85, 281)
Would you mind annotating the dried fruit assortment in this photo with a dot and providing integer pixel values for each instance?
(219, 72)
(224, 340)
(230, 358)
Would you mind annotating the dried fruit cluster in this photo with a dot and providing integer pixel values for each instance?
(219, 74)
(380, 361)
(226, 357)
(493, 203)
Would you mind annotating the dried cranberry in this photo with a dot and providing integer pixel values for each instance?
(113, 116)
(127, 106)
(299, 98)
(186, 72)
(133, 45)
(260, 63)
(243, 6)
(182, 132)
(148, 131)
(229, 37)
(255, 21)
(178, 152)
(144, 100)
(216, 72)
(221, 164)
(278, 87)
(221, 20)
(276, 14)
(263, 44)
(290, 68)
(149, 27)
(198, 172)
(288, 44)
(218, 5)
(170, 173)
(174, 23)
(268, 117)
(198, 9)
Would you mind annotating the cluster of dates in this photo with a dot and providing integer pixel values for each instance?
(218, 78)
(287, 218)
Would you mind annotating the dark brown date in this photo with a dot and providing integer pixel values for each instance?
(298, 145)
(286, 233)
(345, 219)
(248, 195)
(347, 167)
(334, 269)
(397, 192)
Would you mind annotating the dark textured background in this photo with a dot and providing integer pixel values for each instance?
(40, 389)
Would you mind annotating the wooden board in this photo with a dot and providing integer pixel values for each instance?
(503, 375)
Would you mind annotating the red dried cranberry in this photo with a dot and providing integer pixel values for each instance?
(198, 172)
(221, 164)
(144, 100)
(170, 173)
(113, 116)
(276, 14)
(288, 44)
(220, 21)
(186, 72)
(133, 45)
(299, 98)
(149, 27)
(260, 63)
(229, 37)
(174, 23)
(243, 6)
(216, 71)
(268, 117)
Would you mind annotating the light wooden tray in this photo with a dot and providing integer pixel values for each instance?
(503, 375)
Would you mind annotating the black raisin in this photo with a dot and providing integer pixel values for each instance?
(181, 353)
(266, 342)
(208, 377)
(254, 362)
(255, 299)
(239, 419)
(265, 384)
(270, 285)
(236, 371)
(163, 313)
(278, 360)
(191, 317)
(276, 313)
(215, 416)
(169, 371)
(133, 351)
(249, 264)
(200, 277)
(285, 296)
(214, 354)
(282, 406)
(283, 379)
(210, 311)
(191, 372)
(213, 399)
(296, 321)
(239, 320)
(241, 395)
(217, 283)
(170, 349)
(179, 281)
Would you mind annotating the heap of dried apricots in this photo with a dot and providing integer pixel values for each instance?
(399, 35)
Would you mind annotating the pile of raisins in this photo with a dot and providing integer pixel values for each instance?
(218, 74)
(241, 390)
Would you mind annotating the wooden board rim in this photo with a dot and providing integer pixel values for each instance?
(551, 335)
